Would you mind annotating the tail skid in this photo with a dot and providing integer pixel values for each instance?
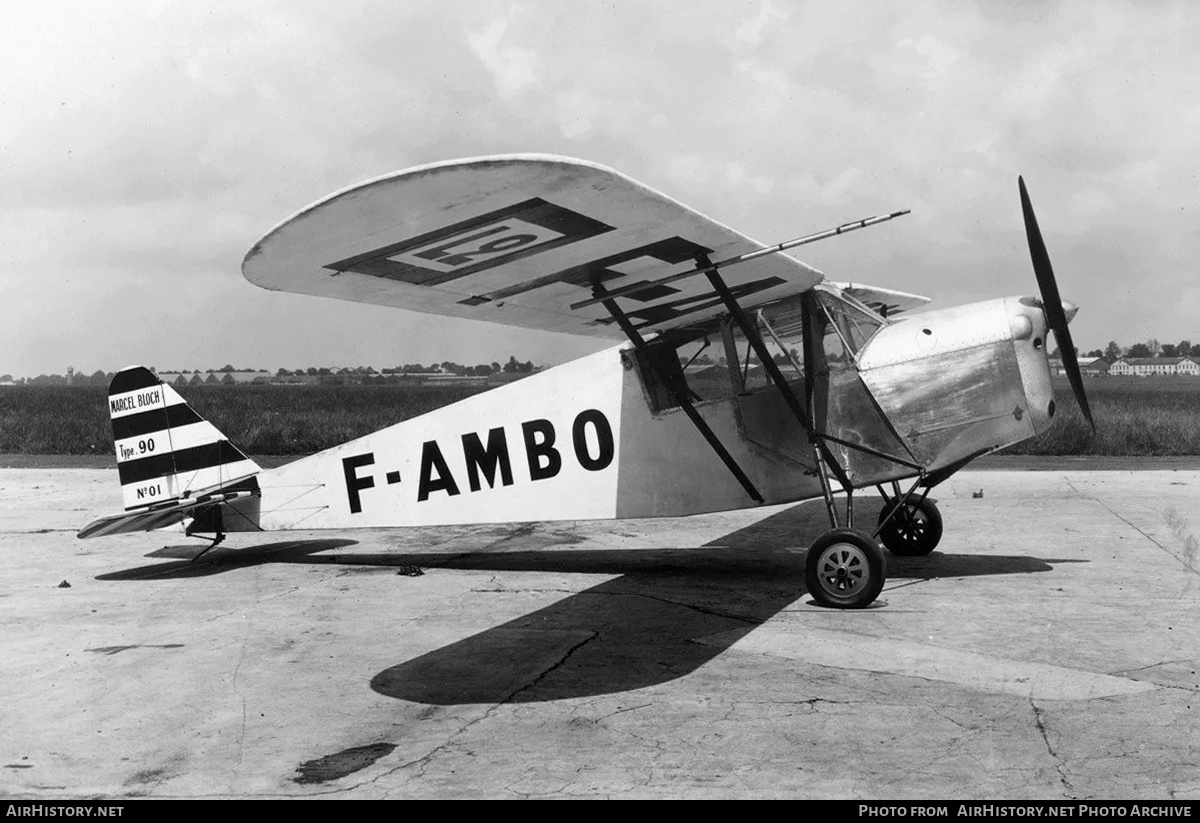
(173, 464)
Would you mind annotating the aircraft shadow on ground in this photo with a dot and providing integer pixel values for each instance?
(636, 630)
(631, 632)
(190, 563)
(642, 628)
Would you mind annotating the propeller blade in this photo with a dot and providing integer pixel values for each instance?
(1056, 316)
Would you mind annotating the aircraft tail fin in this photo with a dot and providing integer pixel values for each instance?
(167, 454)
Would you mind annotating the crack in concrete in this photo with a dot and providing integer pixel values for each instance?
(1125, 672)
(604, 717)
(1187, 563)
(237, 670)
(562, 660)
(711, 612)
(655, 743)
(503, 590)
(424, 760)
(517, 532)
(809, 701)
(420, 762)
(1059, 765)
(949, 719)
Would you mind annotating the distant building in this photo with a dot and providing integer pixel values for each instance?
(1155, 367)
(340, 377)
(1088, 367)
(243, 378)
(223, 377)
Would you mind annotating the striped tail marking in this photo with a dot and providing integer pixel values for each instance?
(165, 450)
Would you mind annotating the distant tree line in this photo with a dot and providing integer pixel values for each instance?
(513, 366)
(72, 378)
(1110, 353)
(365, 373)
(1151, 348)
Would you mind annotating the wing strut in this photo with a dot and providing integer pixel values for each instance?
(821, 453)
(820, 450)
(804, 411)
(678, 394)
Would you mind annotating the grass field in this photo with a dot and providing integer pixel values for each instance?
(258, 419)
(1134, 417)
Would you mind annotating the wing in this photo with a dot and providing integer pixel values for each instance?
(888, 302)
(515, 240)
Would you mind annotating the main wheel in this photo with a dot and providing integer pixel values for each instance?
(845, 568)
(914, 530)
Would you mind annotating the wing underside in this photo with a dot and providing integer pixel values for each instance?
(516, 240)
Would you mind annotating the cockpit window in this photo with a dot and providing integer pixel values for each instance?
(782, 329)
(692, 364)
(717, 362)
(702, 362)
(849, 326)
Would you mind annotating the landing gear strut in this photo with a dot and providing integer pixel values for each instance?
(845, 567)
(207, 520)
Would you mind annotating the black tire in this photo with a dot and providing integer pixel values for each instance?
(845, 569)
(914, 530)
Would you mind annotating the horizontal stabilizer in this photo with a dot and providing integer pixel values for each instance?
(162, 516)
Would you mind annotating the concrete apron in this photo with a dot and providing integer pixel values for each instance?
(1047, 649)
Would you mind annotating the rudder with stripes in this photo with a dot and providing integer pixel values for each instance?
(166, 452)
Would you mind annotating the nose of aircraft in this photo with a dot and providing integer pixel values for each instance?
(1069, 310)
(1056, 310)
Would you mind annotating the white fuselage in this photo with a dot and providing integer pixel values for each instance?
(582, 441)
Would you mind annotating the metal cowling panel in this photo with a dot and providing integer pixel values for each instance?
(933, 401)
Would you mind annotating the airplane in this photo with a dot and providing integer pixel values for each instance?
(738, 375)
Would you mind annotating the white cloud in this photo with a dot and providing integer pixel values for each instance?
(1086, 203)
(513, 68)
(754, 30)
(769, 81)
(688, 170)
(938, 57)
(577, 112)
(757, 184)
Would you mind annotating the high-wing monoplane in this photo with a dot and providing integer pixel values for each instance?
(738, 376)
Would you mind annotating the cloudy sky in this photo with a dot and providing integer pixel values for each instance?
(147, 146)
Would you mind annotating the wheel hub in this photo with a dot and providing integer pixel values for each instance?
(843, 568)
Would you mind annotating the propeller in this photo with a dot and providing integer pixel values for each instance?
(1056, 315)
